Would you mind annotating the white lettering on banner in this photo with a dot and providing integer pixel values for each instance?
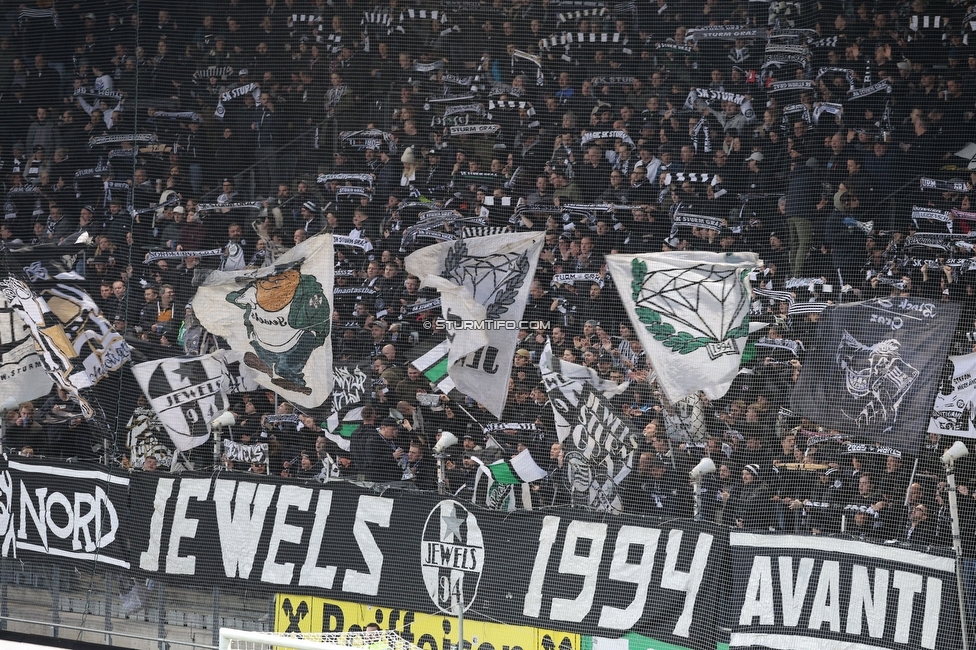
(375, 510)
(290, 495)
(826, 602)
(452, 556)
(793, 596)
(241, 510)
(183, 526)
(313, 575)
(240, 528)
(532, 605)
(588, 567)
(82, 518)
(871, 604)
(149, 559)
(689, 582)
(867, 599)
(629, 537)
(759, 593)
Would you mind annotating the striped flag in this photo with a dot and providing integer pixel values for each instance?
(433, 364)
(800, 308)
(340, 429)
(520, 469)
(504, 485)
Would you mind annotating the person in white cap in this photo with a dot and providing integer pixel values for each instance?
(752, 509)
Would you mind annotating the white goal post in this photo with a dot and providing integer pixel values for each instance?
(231, 639)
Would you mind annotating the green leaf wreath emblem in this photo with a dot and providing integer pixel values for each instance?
(677, 342)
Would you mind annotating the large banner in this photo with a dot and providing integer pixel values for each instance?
(875, 369)
(954, 413)
(280, 317)
(580, 573)
(820, 592)
(690, 311)
(482, 281)
(63, 512)
(620, 582)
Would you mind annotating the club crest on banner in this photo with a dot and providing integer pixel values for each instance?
(186, 397)
(452, 556)
(690, 311)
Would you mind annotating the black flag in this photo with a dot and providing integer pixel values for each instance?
(875, 369)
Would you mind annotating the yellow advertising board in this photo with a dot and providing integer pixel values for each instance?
(305, 614)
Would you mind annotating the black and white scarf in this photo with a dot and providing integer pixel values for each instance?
(943, 186)
(701, 130)
(723, 33)
(234, 93)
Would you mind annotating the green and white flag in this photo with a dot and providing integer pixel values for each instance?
(520, 469)
(484, 285)
(690, 311)
(350, 390)
(339, 428)
(432, 363)
(504, 484)
(281, 318)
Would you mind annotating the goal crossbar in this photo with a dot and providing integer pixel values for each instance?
(232, 639)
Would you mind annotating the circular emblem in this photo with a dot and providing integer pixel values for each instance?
(452, 556)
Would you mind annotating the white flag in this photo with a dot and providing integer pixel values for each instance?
(145, 439)
(690, 311)
(22, 375)
(599, 442)
(484, 284)
(281, 318)
(954, 412)
(185, 394)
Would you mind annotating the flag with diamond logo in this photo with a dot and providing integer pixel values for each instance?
(690, 311)
(481, 280)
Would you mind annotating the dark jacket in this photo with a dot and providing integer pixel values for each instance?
(753, 506)
(383, 467)
(802, 192)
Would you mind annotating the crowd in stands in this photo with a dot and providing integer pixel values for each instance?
(239, 129)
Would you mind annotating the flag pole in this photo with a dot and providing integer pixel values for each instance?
(911, 480)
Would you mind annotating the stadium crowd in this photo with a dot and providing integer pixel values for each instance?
(238, 129)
